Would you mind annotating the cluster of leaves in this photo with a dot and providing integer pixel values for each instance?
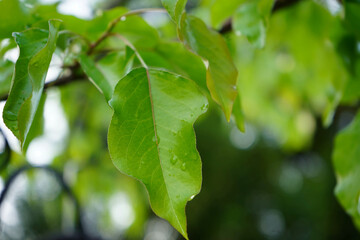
(157, 87)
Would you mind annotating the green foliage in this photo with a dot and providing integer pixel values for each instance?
(293, 68)
(36, 49)
(221, 72)
(346, 163)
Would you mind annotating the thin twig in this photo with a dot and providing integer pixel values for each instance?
(113, 23)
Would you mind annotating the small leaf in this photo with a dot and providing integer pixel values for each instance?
(175, 8)
(249, 22)
(346, 159)
(96, 76)
(151, 138)
(173, 56)
(36, 49)
(221, 72)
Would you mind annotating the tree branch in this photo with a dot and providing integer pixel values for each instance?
(59, 82)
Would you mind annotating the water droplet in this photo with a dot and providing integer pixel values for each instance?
(204, 107)
(237, 33)
(183, 166)
(154, 139)
(191, 115)
(234, 87)
(192, 197)
(174, 159)
(123, 18)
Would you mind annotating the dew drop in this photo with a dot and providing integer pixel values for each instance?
(204, 107)
(192, 197)
(154, 139)
(174, 159)
(183, 166)
(123, 18)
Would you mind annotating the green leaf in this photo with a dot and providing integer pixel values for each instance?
(352, 15)
(151, 138)
(6, 70)
(174, 57)
(96, 76)
(36, 49)
(222, 10)
(346, 159)
(239, 115)
(221, 72)
(175, 8)
(37, 128)
(248, 21)
(13, 17)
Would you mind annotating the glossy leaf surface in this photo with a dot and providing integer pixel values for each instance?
(36, 49)
(151, 138)
(221, 72)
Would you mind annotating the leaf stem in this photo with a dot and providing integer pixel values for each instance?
(129, 44)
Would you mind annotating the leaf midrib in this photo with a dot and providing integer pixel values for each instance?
(157, 145)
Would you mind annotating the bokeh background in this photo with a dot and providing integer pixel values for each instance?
(275, 181)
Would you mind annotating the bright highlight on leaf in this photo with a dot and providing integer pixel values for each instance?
(36, 49)
(151, 138)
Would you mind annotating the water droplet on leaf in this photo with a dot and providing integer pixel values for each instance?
(204, 107)
(123, 18)
(192, 197)
(174, 159)
(183, 166)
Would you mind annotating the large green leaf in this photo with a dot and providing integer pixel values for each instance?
(36, 49)
(221, 72)
(151, 138)
(346, 160)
